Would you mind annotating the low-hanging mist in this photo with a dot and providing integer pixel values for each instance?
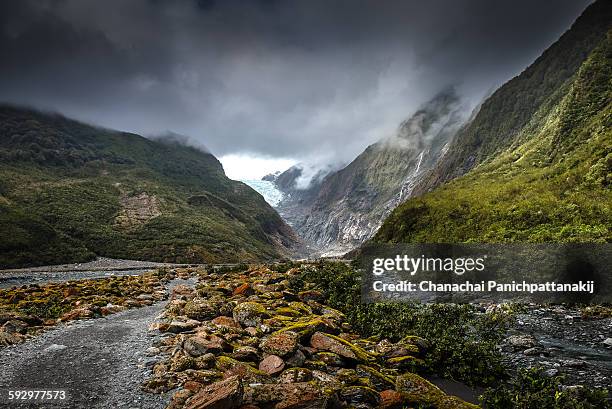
(316, 81)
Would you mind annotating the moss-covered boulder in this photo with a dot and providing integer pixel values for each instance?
(249, 314)
(406, 363)
(182, 362)
(411, 341)
(416, 389)
(246, 353)
(202, 344)
(272, 365)
(337, 345)
(280, 343)
(231, 367)
(306, 328)
(301, 308)
(376, 378)
(290, 395)
(330, 359)
(287, 312)
(359, 396)
(223, 394)
(201, 309)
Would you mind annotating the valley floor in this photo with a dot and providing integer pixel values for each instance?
(99, 264)
(103, 362)
(99, 362)
(99, 268)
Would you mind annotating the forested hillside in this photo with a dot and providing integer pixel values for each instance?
(70, 191)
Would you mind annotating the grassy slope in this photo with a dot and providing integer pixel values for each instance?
(61, 183)
(553, 184)
(503, 116)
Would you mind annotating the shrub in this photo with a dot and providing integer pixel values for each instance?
(464, 341)
(531, 389)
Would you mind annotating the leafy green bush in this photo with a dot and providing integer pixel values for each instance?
(464, 341)
(531, 389)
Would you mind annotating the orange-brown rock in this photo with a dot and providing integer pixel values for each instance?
(225, 321)
(390, 399)
(281, 343)
(244, 289)
(226, 394)
(327, 342)
(272, 365)
(199, 345)
(300, 395)
(192, 386)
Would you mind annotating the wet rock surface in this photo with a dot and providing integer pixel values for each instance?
(564, 341)
(268, 347)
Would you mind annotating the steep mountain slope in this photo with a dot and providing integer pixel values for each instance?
(297, 200)
(347, 207)
(502, 118)
(69, 191)
(547, 172)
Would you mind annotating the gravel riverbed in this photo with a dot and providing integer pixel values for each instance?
(99, 268)
(100, 363)
(563, 342)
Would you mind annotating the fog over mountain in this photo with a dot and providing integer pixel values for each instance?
(315, 81)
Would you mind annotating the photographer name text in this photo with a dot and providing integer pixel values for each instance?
(483, 286)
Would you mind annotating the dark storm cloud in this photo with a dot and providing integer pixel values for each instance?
(283, 78)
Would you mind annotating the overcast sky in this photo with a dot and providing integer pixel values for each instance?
(287, 80)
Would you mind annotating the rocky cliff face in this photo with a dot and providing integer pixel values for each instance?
(339, 211)
(534, 114)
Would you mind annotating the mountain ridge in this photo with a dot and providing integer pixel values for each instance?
(93, 191)
(508, 110)
(342, 209)
(551, 183)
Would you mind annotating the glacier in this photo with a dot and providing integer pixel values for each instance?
(267, 189)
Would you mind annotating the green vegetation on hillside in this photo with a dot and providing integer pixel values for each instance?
(501, 119)
(535, 165)
(69, 191)
(552, 185)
